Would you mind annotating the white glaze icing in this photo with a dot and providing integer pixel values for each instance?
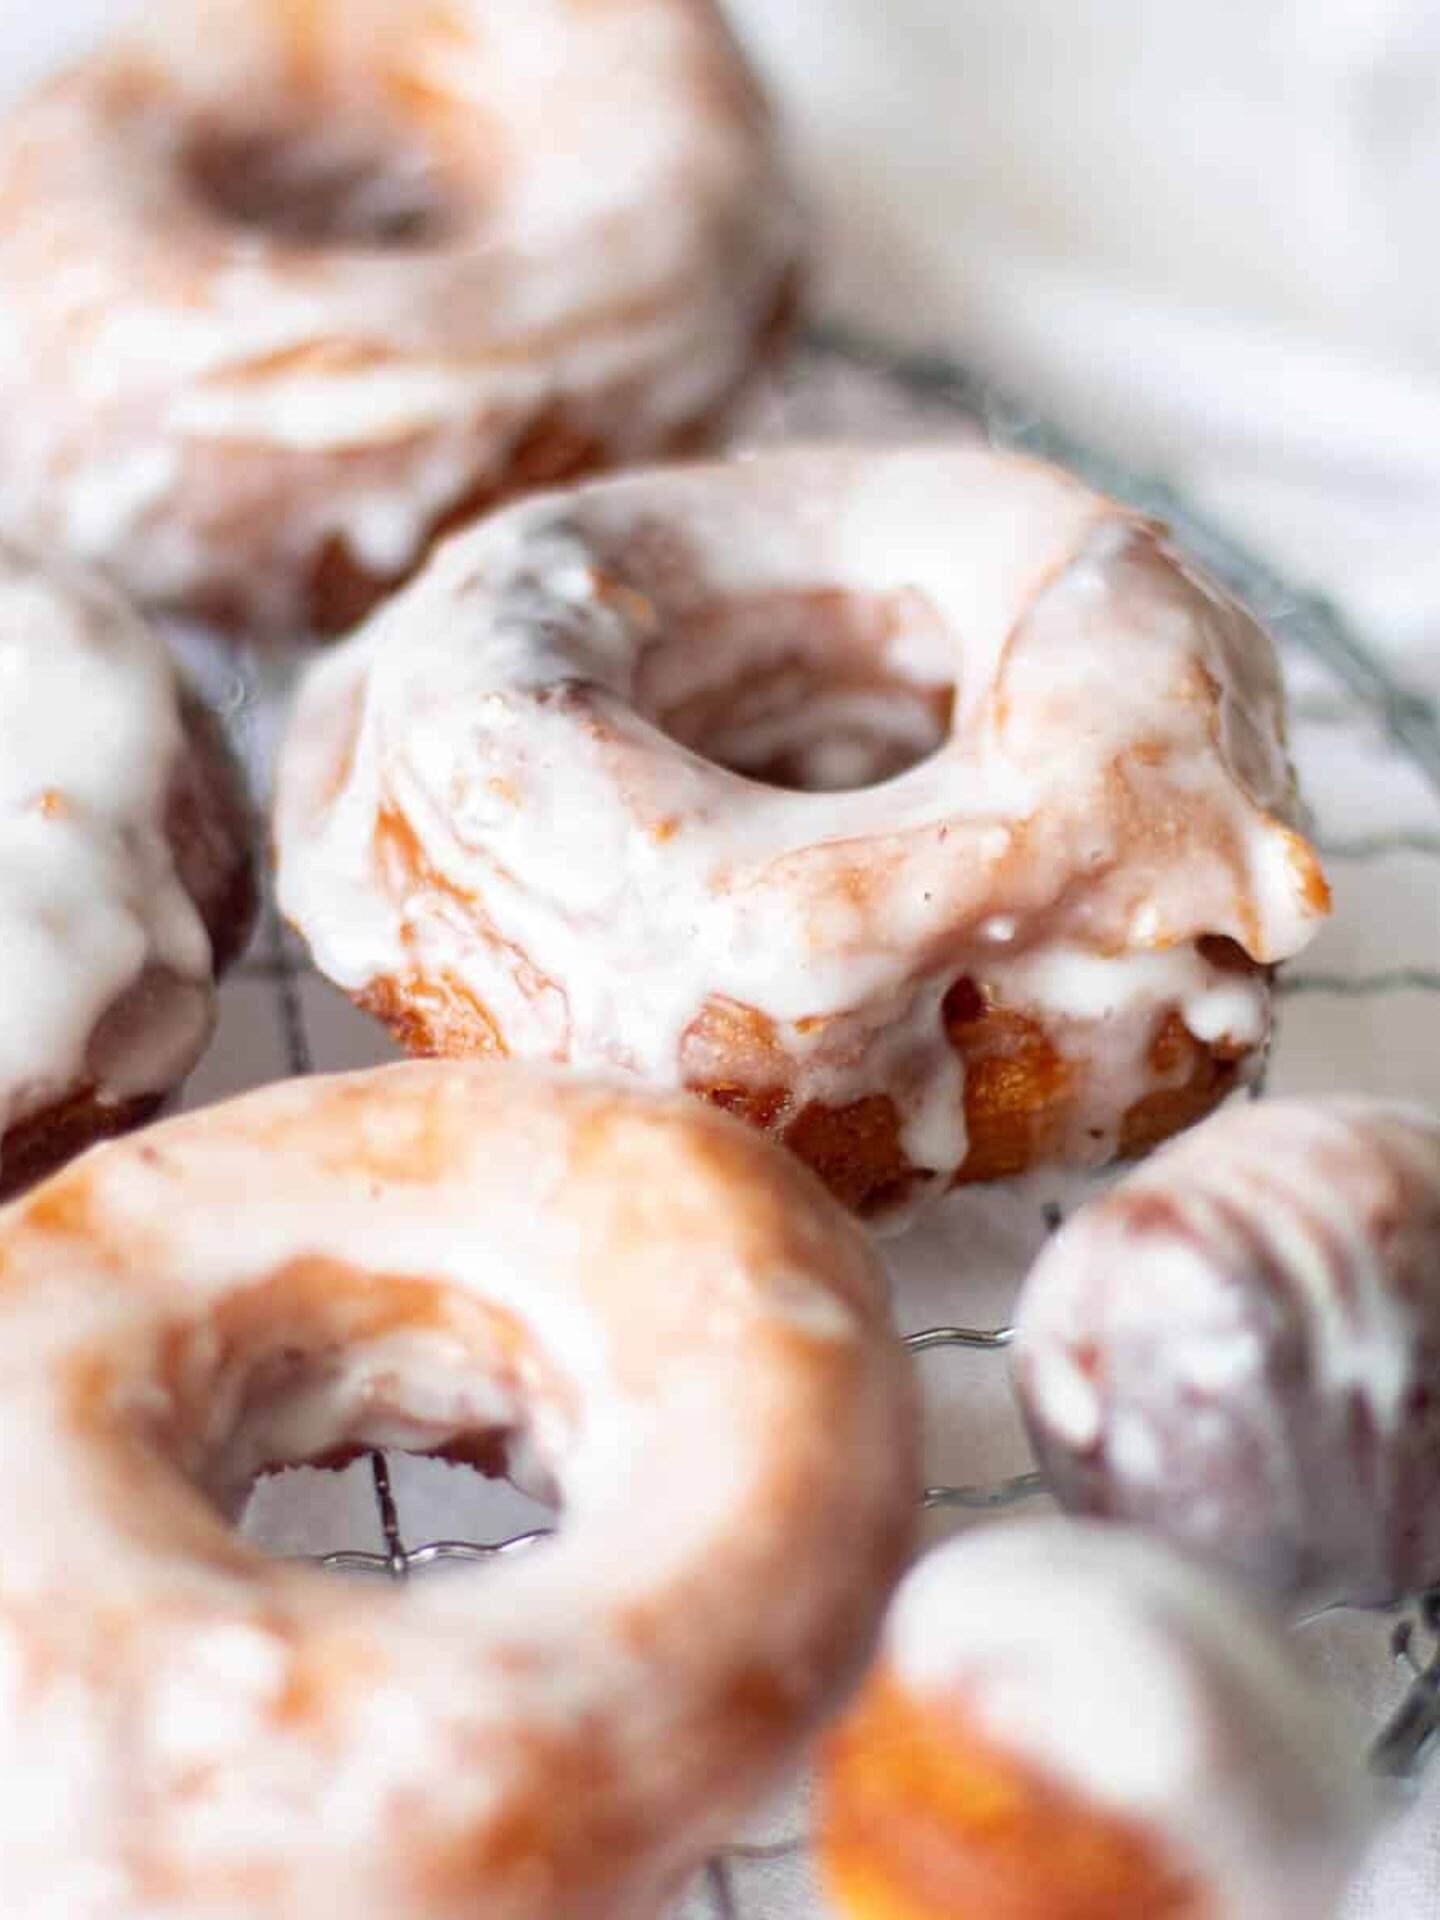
(251, 1741)
(1120, 1672)
(1112, 784)
(1240, 1345)
(90, 902)
(614, 234)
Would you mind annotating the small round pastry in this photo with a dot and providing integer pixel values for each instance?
(1072, 1723)
(292, 284)
(669, 1314)
(922, 806)
(126, 882)
(1239, 1346)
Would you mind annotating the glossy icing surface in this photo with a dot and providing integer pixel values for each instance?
(1147, 1690)
(107, 963)
(1240, 1346)
(808, 739)
(289, 283)
(690, 1338)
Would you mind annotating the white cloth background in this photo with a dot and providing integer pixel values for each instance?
(1199, 231)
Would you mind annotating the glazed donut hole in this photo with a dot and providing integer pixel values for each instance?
(321, 188)
(819, 690)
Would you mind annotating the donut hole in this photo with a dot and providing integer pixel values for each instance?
(335, 188)
(444, 1513)
(819, 691)
(299, 1382)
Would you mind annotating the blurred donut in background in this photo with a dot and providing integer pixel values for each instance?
(293, 284)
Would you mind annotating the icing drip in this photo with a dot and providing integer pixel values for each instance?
(107, 962)
(480, 786)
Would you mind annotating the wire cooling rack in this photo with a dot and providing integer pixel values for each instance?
(1368, 748)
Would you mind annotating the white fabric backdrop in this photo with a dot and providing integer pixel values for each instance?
(1203, 230)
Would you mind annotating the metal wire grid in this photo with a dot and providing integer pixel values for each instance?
(849, 383)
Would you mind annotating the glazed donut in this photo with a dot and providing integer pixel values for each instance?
(1069, 1723)
(922, 806)
(125, 875)
(1240, 1347)
(688, 1333)
(290, 284)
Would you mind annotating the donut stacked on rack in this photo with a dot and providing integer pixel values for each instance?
(924, 807)
(676, 1319)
